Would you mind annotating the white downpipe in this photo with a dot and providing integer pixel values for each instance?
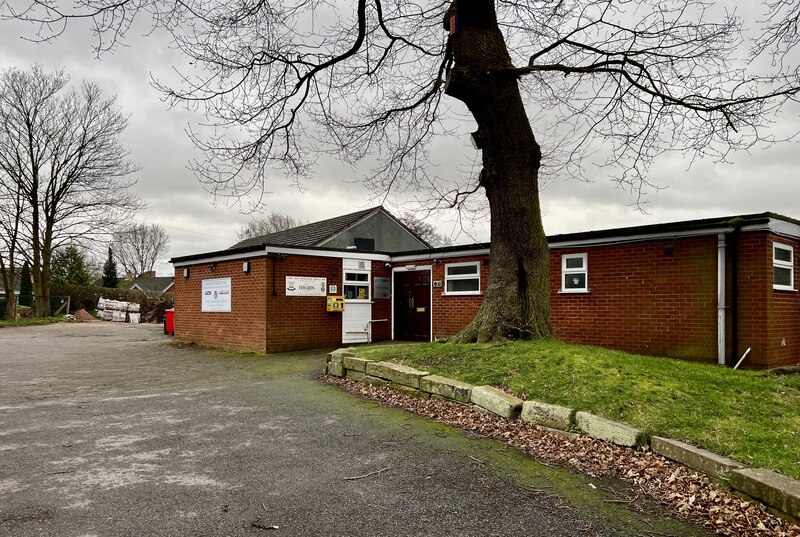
(721, 299)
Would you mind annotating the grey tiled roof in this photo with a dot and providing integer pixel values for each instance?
(157, 283)
(312, 234)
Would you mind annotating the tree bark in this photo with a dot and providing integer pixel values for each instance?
(516, 304)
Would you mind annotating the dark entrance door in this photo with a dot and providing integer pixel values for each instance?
(412, 305)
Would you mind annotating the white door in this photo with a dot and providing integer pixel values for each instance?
(357, 291)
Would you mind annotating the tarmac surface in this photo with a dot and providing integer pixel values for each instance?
(110, 430)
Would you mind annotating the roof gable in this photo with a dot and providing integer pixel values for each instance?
(323, 232)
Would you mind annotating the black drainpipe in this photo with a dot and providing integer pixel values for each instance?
(734, 308)
(275, 257)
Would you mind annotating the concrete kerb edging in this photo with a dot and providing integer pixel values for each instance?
(775, 490)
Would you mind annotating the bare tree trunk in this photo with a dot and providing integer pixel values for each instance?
(9, 282)
(517, 301)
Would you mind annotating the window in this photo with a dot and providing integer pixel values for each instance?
(462, 278)
(356, 285)
(782, 266)
(574, 273)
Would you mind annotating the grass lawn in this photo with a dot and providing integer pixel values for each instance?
(750, 416)
(30, 321)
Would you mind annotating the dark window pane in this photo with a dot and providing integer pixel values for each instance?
(782, 254)
(466, 269)
(783, 276)
(462, 286)
(575, 281)
(356, 292)
(574, 262)
(356, 277)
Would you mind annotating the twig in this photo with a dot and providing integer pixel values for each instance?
(367, 475)
(476, 460)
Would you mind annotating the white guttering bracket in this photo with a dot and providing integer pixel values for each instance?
(721, 299)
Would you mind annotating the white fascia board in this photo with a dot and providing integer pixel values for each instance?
(782, 227)
(622, 239)
(439, 255)
(219, 258)
(355, 254)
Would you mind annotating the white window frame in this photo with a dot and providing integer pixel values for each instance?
(360, 283)
(583, 270)
(476, 276)
(776, 263)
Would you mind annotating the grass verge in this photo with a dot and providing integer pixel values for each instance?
(31, 321)
(751, 416)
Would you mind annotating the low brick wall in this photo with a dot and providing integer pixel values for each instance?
(780, 493)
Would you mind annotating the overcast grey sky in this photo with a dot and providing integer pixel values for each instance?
(761, 181)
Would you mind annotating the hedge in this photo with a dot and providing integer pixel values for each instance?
(153, 304)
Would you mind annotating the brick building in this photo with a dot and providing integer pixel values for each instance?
(705, 290)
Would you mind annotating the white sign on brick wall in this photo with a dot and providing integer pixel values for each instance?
(305, 286)
(216, 294)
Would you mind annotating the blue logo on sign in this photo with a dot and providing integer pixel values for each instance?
(215, 294)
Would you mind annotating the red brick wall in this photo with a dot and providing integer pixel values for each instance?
(241, 328)
(452, 313)
(642, 299)
(769, 319)
(784, 320)
(300, 322)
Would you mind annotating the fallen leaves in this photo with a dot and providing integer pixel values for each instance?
(693, 496)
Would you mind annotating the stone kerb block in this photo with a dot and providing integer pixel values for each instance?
(335, 369)
(400, 374)
(357, 376)
(496, 401)
(694, 457)
(447, 388)
(547, 415)
(772, 488)
(355, 364)
(608, 430)
(339, 354)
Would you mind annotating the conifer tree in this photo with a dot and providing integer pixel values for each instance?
(110, 278)
(25, 286)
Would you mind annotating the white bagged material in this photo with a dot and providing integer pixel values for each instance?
(133, 318)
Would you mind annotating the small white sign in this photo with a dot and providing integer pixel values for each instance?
(216, 294)
(305, 286)
(382, 287)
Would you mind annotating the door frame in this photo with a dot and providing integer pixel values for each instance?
(417, 268)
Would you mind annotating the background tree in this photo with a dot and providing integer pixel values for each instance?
(139, 246)
(425, 230)
(61, 148)
(69, 266)
(25, 286)
(264, 225)
(110, 276)
(624, 81)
